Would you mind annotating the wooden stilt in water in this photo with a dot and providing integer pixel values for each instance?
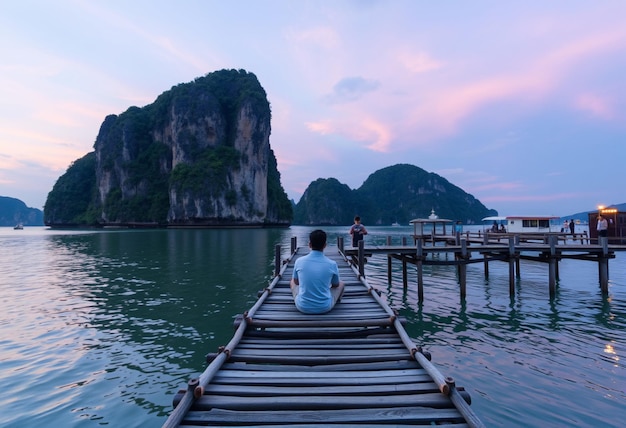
(604, 274)
(485, 257)
(389, 260)
(518, 271)
(511, 259)
(420, 273)
(552, 267)
(463, 268)
(603, 266)
(405, 279)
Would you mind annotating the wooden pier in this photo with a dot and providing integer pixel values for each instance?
(545, 248)
(354, 366)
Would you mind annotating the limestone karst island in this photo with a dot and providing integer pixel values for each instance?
(198, 156)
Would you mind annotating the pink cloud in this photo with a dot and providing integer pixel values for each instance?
(596, 105)
(418, 62)
(320, 36)
(530, 198)
(508, 186)
(440, 111)
(375, 134)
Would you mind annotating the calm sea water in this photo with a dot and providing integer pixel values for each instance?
(101, 328)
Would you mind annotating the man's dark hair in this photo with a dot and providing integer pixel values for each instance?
(317, 238)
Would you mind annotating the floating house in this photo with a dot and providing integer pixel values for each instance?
(616, 222)
(523, 223)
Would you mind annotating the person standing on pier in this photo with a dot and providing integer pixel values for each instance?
(571, 226)
(315, 285)
(358, 231)
(602, 226)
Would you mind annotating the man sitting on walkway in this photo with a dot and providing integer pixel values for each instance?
(315, 285)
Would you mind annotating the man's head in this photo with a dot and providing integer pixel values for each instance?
(357, 219)
(317, 240)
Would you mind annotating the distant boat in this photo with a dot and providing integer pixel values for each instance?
(395, 224)
(18, 226)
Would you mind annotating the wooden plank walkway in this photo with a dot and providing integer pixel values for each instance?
(354, 366)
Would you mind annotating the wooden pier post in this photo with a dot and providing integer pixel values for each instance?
(389, 260)
(340, 243)
(405, 278)
(511, 258)
(404, 241)
(518, 271)
(552, 267)
(362, 258)
(420, 273)
(485, 256)
(389, 241)
(603, 265)
(277, 263)
(463, 268)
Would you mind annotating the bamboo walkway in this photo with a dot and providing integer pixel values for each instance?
(355, 366)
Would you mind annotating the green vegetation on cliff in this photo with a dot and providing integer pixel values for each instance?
(279, 204)
(208, 173)
(326, 202)
(70, 200)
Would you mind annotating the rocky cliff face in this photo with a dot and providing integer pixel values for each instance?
(241, 190)
(199, 155)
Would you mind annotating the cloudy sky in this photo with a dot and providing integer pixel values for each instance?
(520, 103)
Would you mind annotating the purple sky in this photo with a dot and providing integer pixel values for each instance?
(522, 104)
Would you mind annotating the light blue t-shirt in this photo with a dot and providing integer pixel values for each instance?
(315, 272)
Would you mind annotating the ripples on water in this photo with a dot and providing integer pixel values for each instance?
(102, 328)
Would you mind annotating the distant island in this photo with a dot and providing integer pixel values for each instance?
(13, 211)
(396, 194)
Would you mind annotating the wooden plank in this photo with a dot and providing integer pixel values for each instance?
(320, 390)
(317, 347)
(381, 322)
(328, 333)
(303, 359)
(386, 368)
(322, 381)
(389, 339)
(316, 402)
(318, 373)
(362, 417)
